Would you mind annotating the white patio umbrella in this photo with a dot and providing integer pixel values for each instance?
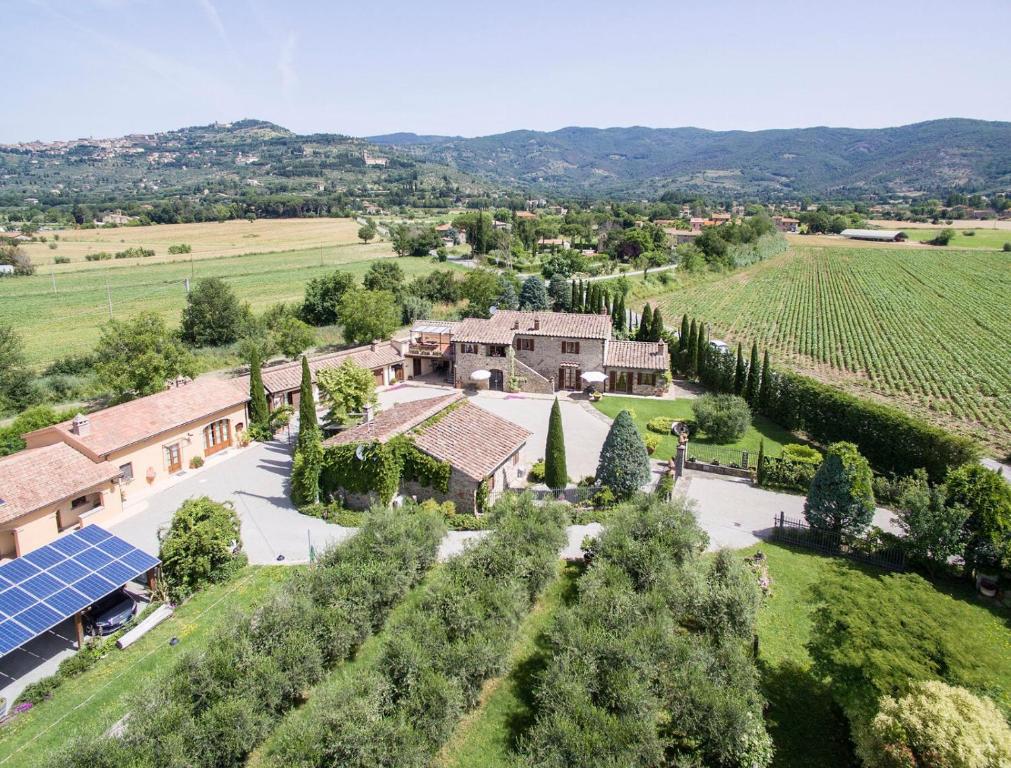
(480, 375)
(594, 377)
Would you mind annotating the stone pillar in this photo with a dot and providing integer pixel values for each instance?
(679, 459)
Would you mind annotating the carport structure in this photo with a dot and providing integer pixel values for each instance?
(58, 581)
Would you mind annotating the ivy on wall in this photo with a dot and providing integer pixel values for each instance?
(381, 468)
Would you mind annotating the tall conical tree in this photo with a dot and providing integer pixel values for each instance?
(683, 337)
(306, 406)
(582, 296)
(754, 377)
(760, 466)
(620, 316)
(701, 351)
(645, 324)
(624, 462)
(656, 329)
(574, 301)
(740, 377)
(689, 363)
(608, 301)
(765, 389)
(556, 476)
(258, 410)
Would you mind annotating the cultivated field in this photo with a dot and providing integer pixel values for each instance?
(964, 238)
(928, 329)
(68, 321)
(207, 239)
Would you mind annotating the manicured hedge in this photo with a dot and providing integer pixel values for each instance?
(891, 440)
(216, 706)
(652, 664)
(400, 709)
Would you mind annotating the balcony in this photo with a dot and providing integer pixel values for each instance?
(427, 349)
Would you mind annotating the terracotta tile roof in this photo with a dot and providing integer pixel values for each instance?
(395, 421)
(37, 477)
(503, 325)
(122, 425)
(649, 355)
(287, 377)
(472, 440)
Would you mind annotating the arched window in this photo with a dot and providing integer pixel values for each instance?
(217, 436)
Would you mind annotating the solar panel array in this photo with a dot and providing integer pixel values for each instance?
(52, 583)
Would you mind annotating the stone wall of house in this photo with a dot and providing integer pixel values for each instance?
(547, 356)
(649, 390)
(461, 491)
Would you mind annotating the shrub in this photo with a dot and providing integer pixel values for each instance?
(661, 425)
(535, 474)
(938, 725)
(135, 253)
(841, 498)
(200, 546)
(943, 237)
(652, 442)
(196, 462)
(37, 692)
(334, 512)
(986, 497)
(722, 418)
(624, 464)
(180, 248)
(217, 704)
(1007, 247)
(100, 256)
(61, 259)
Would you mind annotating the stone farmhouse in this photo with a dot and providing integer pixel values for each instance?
(479, 447)
(549, 351)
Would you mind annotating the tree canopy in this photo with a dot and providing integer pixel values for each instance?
(624, 463)
(213, 315)
(137, 357)
(346, 390)
(841, 498)
(368, 315)
(323, 296)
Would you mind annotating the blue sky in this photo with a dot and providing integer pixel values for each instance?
(107, 67)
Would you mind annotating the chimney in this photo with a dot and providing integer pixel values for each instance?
(80, 426)
(537, 323)
(661, 346)
(374, 345)
(516, 325)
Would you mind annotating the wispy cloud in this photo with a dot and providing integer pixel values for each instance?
(214, 19)
(286, 64)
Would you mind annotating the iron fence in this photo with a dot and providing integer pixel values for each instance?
(719, 455)
(870, 550)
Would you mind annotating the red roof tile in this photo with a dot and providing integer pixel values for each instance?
(505, 324)
(122, 425)
(395, 421)
(38, 477)
(472, 440)
(287, 377)
(647, 355)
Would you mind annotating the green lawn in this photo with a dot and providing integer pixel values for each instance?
(487, 736)
(90, 704)
(981, 238)
(645, 409)
(806, 728)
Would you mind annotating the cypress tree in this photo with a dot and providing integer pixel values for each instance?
(556, 476)
(258, 411)
(760, 467)
(574, 301)
(754, 377)
(595, 299)
(621, 315)
(765, 389)
(582, 296)
(306, 406)
(740, 378)
(645, 324)
(624, 462)
(841, 497)
(607, 301)
(683, 337)
(701, 351)
(656, 329)
(690, 350)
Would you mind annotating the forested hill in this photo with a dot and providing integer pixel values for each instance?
(930, 157)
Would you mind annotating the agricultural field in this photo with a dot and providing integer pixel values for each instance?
(207, 239)
(925, 329)
(964, 238)
(62, 313)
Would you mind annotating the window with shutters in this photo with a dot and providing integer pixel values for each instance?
(570, 347)
(525, 345)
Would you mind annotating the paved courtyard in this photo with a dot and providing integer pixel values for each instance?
(737, 514)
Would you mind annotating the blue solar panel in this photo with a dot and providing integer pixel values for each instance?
(39, 618)
(93, 534)
(14, 600)
(45, 557)
(115, 547)
(18, 570)
(93, 558)
(94, 586)
(70, 545)
(68, 601)
(68, 571)
(41, 586)
(140, 561)
(52, 583)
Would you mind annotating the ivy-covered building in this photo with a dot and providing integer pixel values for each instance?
(443, 448)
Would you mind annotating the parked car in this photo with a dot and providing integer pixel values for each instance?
(110, 613)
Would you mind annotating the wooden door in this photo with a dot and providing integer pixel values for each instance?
(497, 380)
(416, 362)
(174, 458)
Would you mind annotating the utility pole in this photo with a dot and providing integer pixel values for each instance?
(53, 275)
(108, 293)
(321, 254)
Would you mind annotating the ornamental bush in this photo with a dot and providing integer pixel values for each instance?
(216, 705)
(722, 418)
(792, 470)
(624, 464)
(937, 725)
(200, 546)
(841, 497)
(556, 474)
(661, 425)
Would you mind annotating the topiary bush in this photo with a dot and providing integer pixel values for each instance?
(841, 497)
(722, 418)
(661, 425)
(793, 470)
(624, 463)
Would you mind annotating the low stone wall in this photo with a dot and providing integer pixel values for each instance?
(719, 469)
